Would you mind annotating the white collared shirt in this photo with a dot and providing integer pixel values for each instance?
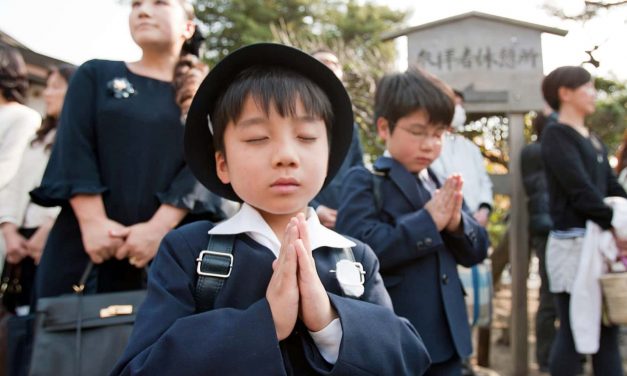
(248, 221)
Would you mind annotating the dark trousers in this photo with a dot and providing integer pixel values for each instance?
(451, 367)
(546, 315)
(565, 361)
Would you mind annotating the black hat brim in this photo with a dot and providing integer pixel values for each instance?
(199, 146)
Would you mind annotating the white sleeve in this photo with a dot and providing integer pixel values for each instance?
(12, 144)
(485, 183)
(328, 340)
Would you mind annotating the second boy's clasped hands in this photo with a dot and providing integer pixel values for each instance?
(445, 206)
(295, 289)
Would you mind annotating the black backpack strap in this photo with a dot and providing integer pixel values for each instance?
(343, 254)
(213, 267)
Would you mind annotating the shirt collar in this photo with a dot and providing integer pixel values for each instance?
(248, 221)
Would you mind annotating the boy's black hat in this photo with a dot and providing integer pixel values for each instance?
(199, 147)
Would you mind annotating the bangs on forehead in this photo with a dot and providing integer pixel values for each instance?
(279, 88)
(270, 86)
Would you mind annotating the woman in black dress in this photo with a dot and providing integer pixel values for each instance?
(117, 167)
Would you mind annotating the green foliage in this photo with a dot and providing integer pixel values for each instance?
(610, 118)
(497, 225)
(235, 23)
(350, 28)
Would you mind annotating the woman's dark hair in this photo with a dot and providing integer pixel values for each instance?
(13, 74)
(50, 122)
(538, 124)
(570, 77)
(269, 86)
(621, 155)
(400, 94)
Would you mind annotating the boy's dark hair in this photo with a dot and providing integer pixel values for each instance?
(570, 77)
(269, 86)
(400, 94)
(13, 74)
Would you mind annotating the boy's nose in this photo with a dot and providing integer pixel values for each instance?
(285, 155)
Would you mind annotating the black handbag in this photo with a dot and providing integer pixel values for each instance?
(78, 334)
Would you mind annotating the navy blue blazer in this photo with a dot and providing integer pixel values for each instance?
(238, 336)
(418, 263)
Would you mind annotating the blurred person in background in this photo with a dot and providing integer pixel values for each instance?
(578, 177)
(540, 224)
(18, 123)
(461, 156)
(25, 225)
(621, 167)
(327, 201)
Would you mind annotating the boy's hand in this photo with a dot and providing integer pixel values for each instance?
(327, 216)
(315, 308)
(442, 203)
(457, 200)
(282, 292)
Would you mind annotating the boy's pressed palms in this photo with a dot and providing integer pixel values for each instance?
(282, 292)
(315, 310)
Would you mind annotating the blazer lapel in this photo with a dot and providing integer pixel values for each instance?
(404, 180)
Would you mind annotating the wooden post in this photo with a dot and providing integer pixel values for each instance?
(518, 249)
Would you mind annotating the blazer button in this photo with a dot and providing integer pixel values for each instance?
(428, 241)
(444, 279)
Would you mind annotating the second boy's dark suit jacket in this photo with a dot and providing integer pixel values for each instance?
(418, 263)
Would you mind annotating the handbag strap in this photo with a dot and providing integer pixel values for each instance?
(213, 267)
(79, 290)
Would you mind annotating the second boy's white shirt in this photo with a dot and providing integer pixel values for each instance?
(248, 221)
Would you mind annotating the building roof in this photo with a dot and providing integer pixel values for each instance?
(474, 14)
(37, 64)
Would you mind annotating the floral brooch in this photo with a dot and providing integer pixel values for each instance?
(120, 88)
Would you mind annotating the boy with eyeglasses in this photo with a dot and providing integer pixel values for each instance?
(418, 227)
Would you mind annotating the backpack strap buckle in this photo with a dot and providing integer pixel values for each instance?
(214, 264)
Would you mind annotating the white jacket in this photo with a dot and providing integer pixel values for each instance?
(462, 156)
(586, 297)
(18, 124)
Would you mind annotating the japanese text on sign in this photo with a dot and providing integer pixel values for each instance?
(479, 58)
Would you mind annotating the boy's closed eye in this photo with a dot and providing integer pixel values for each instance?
(256, 139)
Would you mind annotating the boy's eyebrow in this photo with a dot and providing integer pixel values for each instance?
(251, 121)
(419, 125)
(262, 119)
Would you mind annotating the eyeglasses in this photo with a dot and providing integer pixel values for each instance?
(421, 135)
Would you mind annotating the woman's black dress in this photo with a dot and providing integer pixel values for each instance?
(120, 136)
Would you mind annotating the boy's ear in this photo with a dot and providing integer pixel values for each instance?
(383, 128)
(222, 170)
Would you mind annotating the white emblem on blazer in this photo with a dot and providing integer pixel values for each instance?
(351, 276)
